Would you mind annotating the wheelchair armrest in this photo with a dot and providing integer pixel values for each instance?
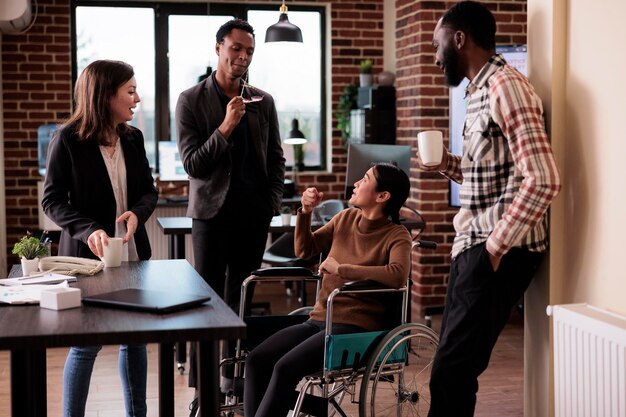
(276, 274)
(285, 271)
(362, 285)
(356, 287)
(366, 286)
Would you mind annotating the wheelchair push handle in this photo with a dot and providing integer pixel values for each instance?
(427, 244)
(282, 271)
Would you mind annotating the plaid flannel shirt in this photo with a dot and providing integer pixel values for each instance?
(507, 173)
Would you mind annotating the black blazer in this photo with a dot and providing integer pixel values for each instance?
(78, 195)
(205, 153)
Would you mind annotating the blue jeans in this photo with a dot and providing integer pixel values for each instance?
(133, 369)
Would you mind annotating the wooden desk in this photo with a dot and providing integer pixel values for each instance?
(177, 227)
(29, 330)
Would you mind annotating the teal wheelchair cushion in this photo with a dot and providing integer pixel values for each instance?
(352, 350)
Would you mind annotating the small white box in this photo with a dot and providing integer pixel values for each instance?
(60, 298)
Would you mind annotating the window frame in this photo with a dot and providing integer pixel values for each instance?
(162, 11)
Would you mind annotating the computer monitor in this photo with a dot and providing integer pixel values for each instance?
(361, 156)
(45, 133)
(170, 165)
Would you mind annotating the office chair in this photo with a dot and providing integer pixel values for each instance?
(326, 210)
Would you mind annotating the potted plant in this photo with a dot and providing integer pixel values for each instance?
(347, 102)
(298, 156)
(30, 249)
(285, 215)
(365, 77)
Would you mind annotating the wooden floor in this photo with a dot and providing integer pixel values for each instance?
(500, 394)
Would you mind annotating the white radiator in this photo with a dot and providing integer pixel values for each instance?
(159, 241)
(589, 361)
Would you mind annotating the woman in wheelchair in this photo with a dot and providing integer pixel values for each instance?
(365, 242)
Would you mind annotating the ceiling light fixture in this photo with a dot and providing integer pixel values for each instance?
(283, 30)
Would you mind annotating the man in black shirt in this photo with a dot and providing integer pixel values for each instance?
(230, 146)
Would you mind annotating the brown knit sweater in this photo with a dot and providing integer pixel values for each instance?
(377, 250)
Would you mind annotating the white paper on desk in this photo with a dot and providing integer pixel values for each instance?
(25, 294)
(45, 278)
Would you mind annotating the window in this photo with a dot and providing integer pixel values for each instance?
(291, 73)
(171, 45)
(98, 36)
(191, 54)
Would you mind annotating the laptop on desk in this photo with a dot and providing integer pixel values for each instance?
(152, 301)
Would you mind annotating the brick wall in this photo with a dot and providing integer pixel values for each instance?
(36, 71)
(356, 34)
(37, 90)
(36, 82)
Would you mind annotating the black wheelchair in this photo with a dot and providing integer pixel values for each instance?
(370, 374)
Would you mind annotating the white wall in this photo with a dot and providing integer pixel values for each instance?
(546, 29)
(389, 40)
(577, 63)
(595, 156)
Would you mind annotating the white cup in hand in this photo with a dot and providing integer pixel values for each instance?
(430, 146)
(113, 252)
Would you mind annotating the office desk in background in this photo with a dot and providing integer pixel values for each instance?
(177, 227)
(29, 330)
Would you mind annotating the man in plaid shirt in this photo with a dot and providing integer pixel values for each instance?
(508, 179)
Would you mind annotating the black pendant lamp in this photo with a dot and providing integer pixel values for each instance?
(283, 30)
(295, 136)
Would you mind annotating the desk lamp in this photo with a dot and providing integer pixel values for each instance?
(297, 139)
(283, 30)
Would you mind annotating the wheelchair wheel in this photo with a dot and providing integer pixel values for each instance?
(396, 379)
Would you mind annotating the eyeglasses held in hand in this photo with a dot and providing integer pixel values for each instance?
(251, 98)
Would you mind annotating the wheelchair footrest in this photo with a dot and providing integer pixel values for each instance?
(233, 387)
(314, 406)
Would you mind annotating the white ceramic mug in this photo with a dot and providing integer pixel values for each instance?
(113, 252)
(430, 146)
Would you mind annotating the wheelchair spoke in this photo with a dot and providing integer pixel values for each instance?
(397, 377)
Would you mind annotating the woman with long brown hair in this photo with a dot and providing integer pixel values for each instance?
(99, 185)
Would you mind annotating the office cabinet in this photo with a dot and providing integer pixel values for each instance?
(375, 119)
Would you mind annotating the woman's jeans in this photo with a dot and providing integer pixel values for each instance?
(133, 369)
